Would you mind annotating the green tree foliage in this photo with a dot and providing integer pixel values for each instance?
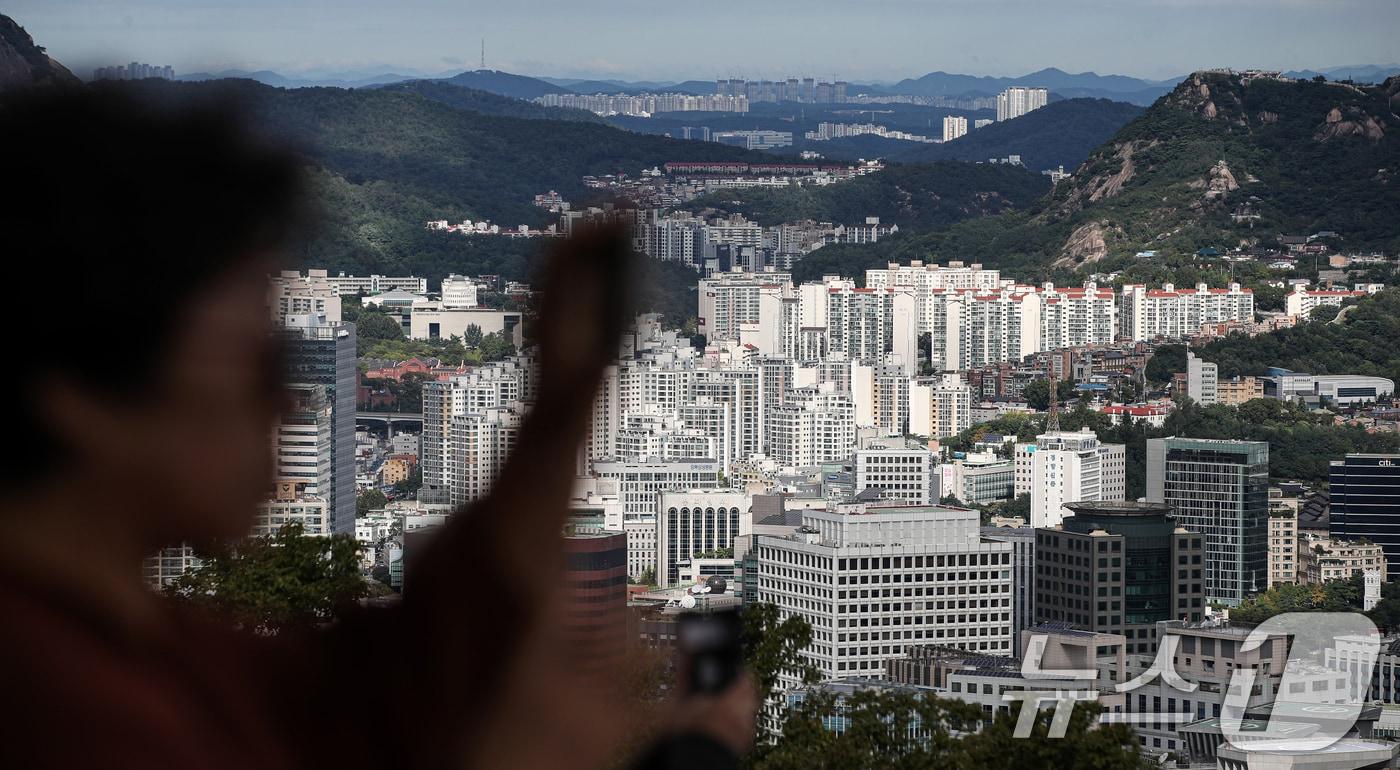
(1166, 360)
(471, 336)
(369, 500)
(911, 196)
(1323, 313)
(277, 582)
(1086, 744)
(377, 326)
(412, 484)
(1364, 342)
(487, 103)
(1386, 613)
(879, 730)
(1037, 393)
(773, 647)
(1332, 596)
(1062, 133)
(495, 347)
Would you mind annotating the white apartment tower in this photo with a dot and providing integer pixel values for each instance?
(954, 126)
(1019, 100)
(1202, 380)
(1068, 467)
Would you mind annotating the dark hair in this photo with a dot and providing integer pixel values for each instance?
(125, 201)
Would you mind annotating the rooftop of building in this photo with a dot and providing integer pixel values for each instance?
(1119, 508)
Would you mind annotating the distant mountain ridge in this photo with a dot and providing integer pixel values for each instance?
(506, 84)
(278, 80)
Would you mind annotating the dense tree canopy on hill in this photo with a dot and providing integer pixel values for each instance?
(487, 103)
(910, 195)
(1062, 133)
(1365, 341)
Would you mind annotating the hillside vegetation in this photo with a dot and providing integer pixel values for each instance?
(1061, 133)
(387, 160)
(1366, 340)
(487, 103)
(909, 195)
(1305, 156)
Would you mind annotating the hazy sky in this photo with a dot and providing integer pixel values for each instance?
(704, 39)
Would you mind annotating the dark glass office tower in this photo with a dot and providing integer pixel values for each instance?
(1119, 567)
(320, 353)
(1219, 489)
(1365, 502)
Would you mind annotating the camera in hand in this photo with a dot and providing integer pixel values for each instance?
(710, 644)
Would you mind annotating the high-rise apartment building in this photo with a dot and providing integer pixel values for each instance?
(1365, 502)
(1219, 489)
(1067, 467)
(954, 126)
(815, 425)
(939, 407)
(1172, 313)
(1202, 380)
(1019, 100)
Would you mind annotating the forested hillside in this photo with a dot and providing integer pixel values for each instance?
(1303, 156)
(1062, 133)
(910, 195)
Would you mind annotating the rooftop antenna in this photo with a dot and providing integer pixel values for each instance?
(1052, 423)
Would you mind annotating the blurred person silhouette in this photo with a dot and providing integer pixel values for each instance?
(140, 417)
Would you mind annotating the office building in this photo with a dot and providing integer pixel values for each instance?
(906, 475)
(1022, 540)
(980, 477)
(696, 521)
(322, 353)
(873, 582)
(1365, 502)
(594, 613)
(1119, 567)
(1336, 389)
(1066, 467)
(954, 126)
(1220, 490)
(754, 140)
(639, 485)
(1019, 100)
(302, 443)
